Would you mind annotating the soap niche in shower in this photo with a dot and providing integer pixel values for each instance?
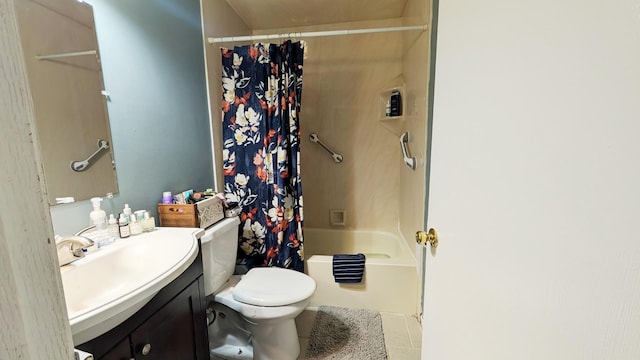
(392, 107)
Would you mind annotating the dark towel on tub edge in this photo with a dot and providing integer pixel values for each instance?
(348, 268)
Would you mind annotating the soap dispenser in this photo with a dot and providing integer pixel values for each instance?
(98, 216)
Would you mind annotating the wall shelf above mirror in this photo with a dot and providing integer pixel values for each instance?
(65, 78)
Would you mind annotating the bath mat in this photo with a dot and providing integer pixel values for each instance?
(342, 333)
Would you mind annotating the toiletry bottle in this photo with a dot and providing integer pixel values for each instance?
(123, 227)
(167, 198)
(387, 111)
(135, 226)
(98, 216)
(149, 223)
(112, 227)
(396, 103)
(127, 212)
(139, 215)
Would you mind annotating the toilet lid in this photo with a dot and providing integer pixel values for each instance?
(273, 287)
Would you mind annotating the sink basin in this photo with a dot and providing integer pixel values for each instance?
(108, 286)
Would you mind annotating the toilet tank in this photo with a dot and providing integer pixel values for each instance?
(219, 250)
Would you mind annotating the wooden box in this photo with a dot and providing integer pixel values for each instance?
(202, 214)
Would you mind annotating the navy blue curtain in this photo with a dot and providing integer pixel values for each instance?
(262, 88)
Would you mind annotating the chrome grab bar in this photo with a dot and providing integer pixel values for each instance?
(336, 157)
(406, 156)
(84, 164)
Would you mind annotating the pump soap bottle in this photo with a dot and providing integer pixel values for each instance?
(98, 216)
(99, 219)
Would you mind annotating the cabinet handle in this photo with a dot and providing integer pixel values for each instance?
(146, 349)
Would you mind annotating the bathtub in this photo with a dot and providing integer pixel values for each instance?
(390, 283)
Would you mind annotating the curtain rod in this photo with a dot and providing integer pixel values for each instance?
(212, 40)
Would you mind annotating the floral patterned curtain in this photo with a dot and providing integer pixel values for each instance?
(262, 87)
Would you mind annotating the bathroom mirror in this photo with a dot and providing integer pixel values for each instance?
(65, 78)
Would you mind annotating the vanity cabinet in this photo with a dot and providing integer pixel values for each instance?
(122, 351)
(169, 333)
(171, 326)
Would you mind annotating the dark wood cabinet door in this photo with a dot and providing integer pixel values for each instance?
(122, 351)
(176, 331)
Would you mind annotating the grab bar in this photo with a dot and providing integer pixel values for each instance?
(84, 164)
(406, 156)
(336, 157)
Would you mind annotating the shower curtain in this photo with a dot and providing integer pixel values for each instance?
(262, 87)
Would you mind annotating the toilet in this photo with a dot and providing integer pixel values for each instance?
(250, 316)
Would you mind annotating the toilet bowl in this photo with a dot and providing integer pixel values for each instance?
(253, 315)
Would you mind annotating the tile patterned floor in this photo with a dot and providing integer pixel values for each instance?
(402, 334)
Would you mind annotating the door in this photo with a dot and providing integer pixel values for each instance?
(534, 183)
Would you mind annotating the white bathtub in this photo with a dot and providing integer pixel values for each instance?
(390, 282)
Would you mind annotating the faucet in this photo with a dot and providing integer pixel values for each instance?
(90, 227)
(70, 248)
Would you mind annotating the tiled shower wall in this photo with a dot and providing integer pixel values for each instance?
(343, 78)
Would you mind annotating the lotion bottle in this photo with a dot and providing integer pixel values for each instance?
(149, 223)
(135, 226)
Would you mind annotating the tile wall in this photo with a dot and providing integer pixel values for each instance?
(343, 79)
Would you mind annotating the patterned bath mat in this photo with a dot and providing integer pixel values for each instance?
(341, 333)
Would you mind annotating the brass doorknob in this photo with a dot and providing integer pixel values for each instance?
(431, 237)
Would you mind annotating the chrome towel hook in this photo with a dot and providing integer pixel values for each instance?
(336, 157)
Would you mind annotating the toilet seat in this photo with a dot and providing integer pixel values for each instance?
(260, 313)
(272, 286)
